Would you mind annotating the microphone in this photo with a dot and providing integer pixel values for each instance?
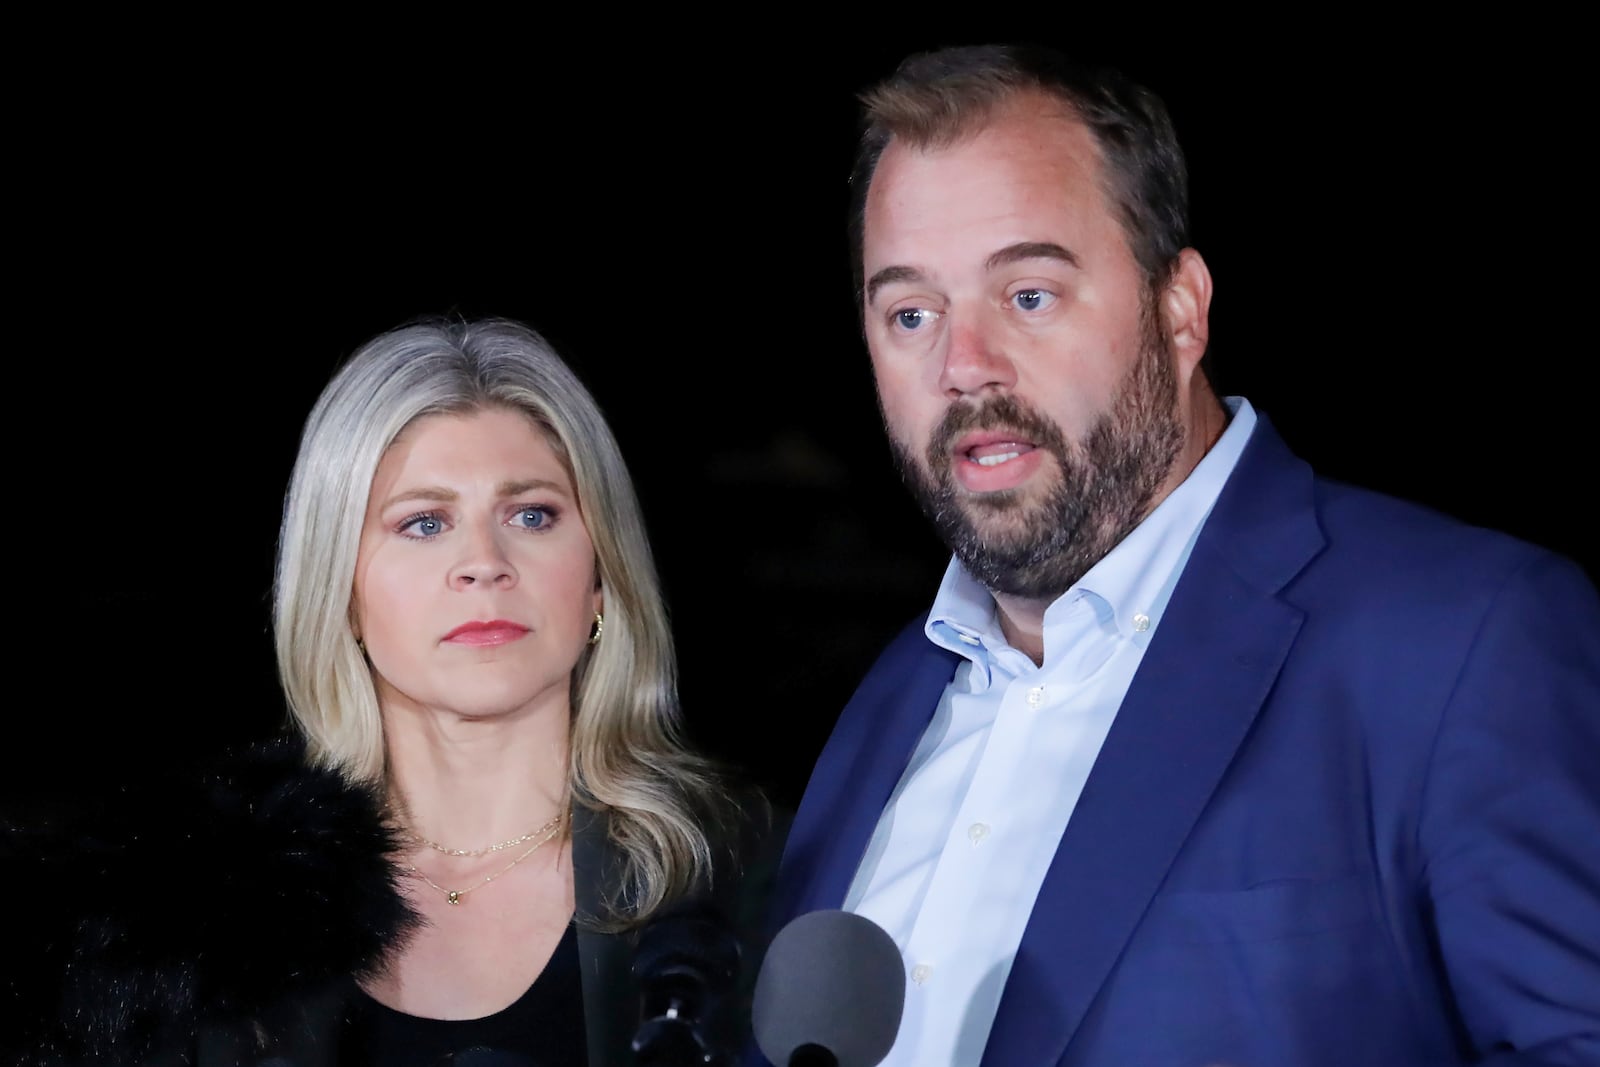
(830, 992)
(687, 959)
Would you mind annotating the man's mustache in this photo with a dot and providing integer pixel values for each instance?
(1001, 412)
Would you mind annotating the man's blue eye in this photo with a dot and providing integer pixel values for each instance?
(911, 318)
(1030, 299)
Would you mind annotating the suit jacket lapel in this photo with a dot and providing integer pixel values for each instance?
(857, 770)
(1220, 645)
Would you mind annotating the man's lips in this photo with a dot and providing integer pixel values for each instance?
(989, 461)
(493, 632)
(990, 448)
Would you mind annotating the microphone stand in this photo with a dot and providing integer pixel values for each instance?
(686, 961)
(671, 1038)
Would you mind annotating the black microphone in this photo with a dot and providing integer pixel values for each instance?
(830, 993)
(687, 960)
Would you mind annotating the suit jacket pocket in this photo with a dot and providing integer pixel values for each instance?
(1272, 911)
(1269, 974)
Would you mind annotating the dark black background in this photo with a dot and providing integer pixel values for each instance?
(205, 223)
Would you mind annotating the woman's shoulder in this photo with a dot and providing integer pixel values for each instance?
(214, 896)
(761, 826)
(747, 851)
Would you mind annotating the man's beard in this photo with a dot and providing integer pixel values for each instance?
(1107, 480)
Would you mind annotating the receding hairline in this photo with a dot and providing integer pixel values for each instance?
(961, 105)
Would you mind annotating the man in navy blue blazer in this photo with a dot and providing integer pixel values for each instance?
(1197, 758)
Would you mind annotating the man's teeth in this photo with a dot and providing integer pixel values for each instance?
(996, 460)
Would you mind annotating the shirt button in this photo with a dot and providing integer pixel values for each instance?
(968, 638)
(921, 973)
(1141, 622)
(1036, 696)
(977, 832)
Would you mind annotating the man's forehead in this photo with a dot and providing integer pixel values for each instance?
(1024, 167)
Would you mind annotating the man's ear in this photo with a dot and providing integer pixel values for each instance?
(1186, 310)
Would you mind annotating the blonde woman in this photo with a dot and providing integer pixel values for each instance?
(490, 795)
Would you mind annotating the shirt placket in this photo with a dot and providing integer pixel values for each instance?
(944, 959)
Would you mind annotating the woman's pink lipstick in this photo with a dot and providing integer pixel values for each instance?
(483, 634)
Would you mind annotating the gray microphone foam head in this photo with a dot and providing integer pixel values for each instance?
(834, 979)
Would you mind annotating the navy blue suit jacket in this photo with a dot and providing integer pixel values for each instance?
(1348, 813)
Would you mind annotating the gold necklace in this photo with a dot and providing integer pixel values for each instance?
(453, 896)
(529, 836)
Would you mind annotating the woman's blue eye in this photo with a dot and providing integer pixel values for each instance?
(533, 517)
(423, 526)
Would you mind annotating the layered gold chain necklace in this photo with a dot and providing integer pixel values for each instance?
(539, 836)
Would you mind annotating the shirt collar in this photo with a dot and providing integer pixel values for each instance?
(965, 621)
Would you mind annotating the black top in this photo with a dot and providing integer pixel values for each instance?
(543, 1028)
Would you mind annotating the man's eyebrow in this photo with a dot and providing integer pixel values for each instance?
(888, 276)
(1030, 250)
(1009, 254)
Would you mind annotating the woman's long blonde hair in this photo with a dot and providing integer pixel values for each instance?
(627, 754)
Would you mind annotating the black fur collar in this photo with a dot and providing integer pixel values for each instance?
(219, 900)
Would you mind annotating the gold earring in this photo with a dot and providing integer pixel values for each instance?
(599, 624)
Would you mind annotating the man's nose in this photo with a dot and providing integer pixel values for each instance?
(975, 360)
